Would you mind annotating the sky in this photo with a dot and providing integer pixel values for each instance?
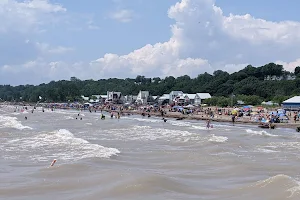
(45, 40)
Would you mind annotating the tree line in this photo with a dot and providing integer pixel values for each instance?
(252, 85)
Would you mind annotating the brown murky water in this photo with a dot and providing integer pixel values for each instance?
(142, 158)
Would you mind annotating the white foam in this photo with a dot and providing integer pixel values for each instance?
(294, 190)
(61, 144)
(200, 127)
(262, 133)
(146, 133)
(180, 123)
(145, 119)
(69, 117)
(219, 139)
(11, 122)
(264, 150)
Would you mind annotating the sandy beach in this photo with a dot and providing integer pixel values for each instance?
(202, 116)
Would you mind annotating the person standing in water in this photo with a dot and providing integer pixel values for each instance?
(233, 119)
(208, 124)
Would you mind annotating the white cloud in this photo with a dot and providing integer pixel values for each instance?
(290, 66)
(27, 15)
(203, 40)
(123, 15)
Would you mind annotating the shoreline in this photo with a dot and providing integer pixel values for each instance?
(198, 117)
(202, 117)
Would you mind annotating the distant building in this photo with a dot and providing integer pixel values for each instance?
(200, 97)
(189, 98)
(84, 98)
(279, 78)
(174, 95)
(103, 98)
(142, 97)
(130, 99)
(114, 97)
(155, 98)
(292, 103)
(164, 99)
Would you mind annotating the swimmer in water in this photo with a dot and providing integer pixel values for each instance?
(25, 118)
(53, 162)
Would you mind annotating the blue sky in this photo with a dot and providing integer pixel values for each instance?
(273, 10)
(150, 25)
(44, 40)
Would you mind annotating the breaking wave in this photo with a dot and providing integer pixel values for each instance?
(61, 144)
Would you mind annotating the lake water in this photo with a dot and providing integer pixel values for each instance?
(142, 158)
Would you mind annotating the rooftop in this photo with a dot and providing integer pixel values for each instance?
(295, 99)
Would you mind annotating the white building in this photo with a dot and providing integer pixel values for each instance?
(114, 97)
(201, 96)
(174, 95)
(142, 97)
(130, 99)
(84, 98)
(165, 98)
(189, 98)
(292, 103)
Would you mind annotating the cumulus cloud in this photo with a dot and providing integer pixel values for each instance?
(203, 40)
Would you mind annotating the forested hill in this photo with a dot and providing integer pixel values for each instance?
(268, 82)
